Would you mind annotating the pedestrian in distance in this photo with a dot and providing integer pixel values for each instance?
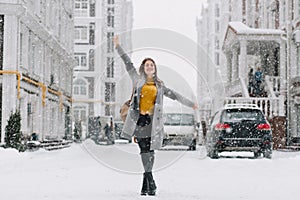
(258, 77)
(108, 132)
(144, 120)
(250, 81)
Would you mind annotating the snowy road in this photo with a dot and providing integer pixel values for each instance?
(88, 171)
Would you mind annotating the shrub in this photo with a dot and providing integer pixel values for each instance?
(13, 135)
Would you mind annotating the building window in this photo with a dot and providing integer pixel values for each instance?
(80, 87)
(92, 34)
(283, 11)
(244, 8)
(110, 21)
(107, 110)
(81, 59)
(110, 11)
(80, 113)
(38, 57)
(29, 114)
(217, 26)
(110, 1)
(110, 17)
(1, 40)
(81, 34)
(55, 67)
(277, 14)
(31, 52)
(20, 50)
(217, 58)
(92, 9)
(110, 67)
(217, 10)
(110, 89)
(81, 8)
(298, 119)
(298, 61)
(298, 8)
(217, 43)
(110, 45)
(91, 59)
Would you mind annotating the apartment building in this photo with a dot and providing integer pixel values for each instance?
(118, 21)
(87, 53)
(36, 60)
(210, 85)
(98, 73)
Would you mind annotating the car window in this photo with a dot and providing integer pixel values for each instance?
(178, 119)
(236, 115)
(215, 118)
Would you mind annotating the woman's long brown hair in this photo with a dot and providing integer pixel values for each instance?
(142, 70)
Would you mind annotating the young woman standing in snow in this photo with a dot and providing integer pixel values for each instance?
(145, 116)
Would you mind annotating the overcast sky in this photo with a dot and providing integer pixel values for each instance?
(176, 15)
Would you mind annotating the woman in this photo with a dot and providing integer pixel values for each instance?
(144, 120)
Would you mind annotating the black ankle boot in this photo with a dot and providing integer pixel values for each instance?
(152, 186)
(145, 186)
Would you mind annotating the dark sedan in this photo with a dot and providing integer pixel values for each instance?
(239, 127)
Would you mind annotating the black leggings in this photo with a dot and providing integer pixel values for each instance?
(144, 144)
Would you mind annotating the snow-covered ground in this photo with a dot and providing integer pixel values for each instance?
(92, 172)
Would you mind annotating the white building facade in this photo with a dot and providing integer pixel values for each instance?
(98, 73)
(36, 60)
(259, 33)
(213, 69)
(118, 19)
(88, 18)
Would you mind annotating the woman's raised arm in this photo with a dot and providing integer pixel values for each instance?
(127, 61)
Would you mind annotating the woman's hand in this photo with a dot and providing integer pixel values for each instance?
(116, 41)
(195, 107)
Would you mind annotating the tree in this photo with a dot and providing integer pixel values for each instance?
(13, 135)
(77, 131)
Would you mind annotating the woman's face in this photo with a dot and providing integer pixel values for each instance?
(149, 68)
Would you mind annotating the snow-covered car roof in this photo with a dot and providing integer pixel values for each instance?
(245, 106)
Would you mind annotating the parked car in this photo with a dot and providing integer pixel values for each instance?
(180, 129)
(239, 127)
(118, 130)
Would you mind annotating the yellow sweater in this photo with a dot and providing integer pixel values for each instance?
(148, 96)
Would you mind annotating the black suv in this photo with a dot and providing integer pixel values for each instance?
(239, 127)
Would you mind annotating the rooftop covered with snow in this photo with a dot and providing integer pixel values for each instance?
(256, 38)
(240, 28)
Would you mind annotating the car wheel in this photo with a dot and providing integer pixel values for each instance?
(192, 148)
(257, 154)
(213, 154)
(267, 153)
(164, 143)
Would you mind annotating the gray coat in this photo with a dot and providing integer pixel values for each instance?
(157, 133)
